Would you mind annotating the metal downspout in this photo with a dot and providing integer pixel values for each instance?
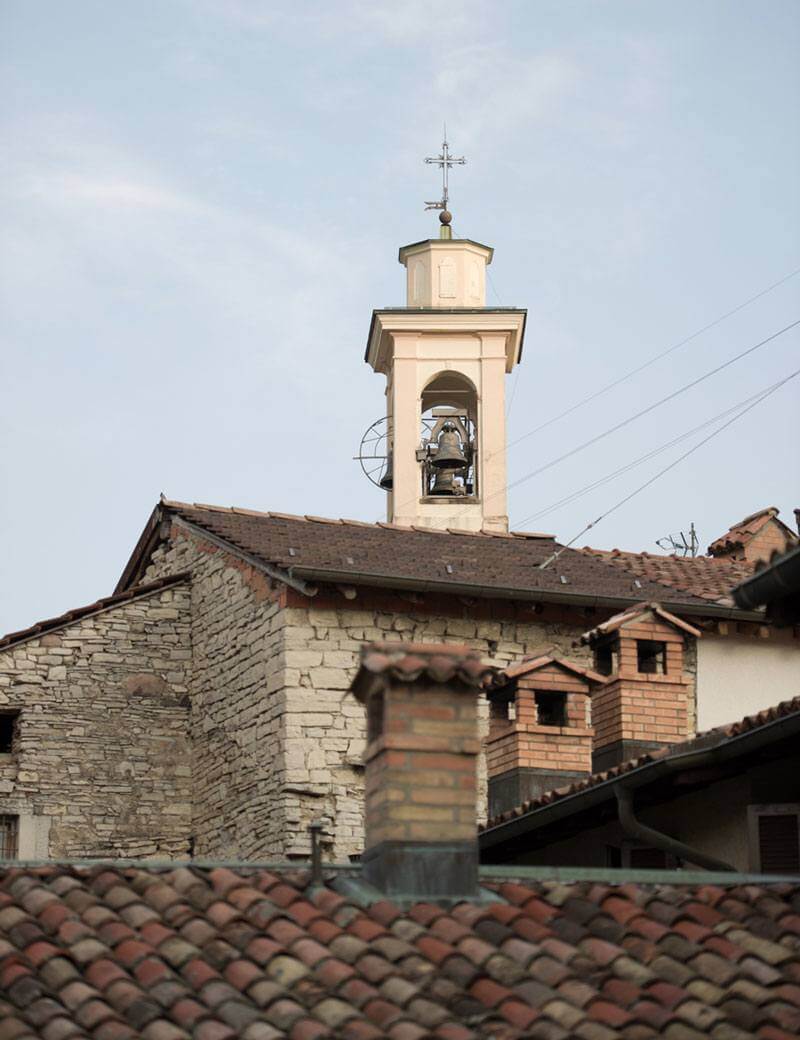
(641, 832)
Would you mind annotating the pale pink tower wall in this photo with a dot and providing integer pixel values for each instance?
(446, 327)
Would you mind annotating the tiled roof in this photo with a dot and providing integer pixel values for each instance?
(407, 662)
(708, 577)
(118, 952)
(638, 610)
(313, 548)
(534, 664)
(91, 608)
(708, 739)
(744, 531)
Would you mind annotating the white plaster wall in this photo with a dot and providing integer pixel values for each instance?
(741, 675)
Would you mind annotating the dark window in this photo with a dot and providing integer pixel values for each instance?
(502, 708)
(638, 857)
(604, 654)
(651, 657)
(8, 731)
(779, 843)
(376, 706)
(9, 830)
(648, 859)
(551, 708)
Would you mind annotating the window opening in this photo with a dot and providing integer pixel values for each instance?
(605, 657)
(8, 731)
(448, 445)
(9, 832)
(551, 708)
(638, 857)
(502, 709)
(651, 657)
(648, 859)
(779, 843)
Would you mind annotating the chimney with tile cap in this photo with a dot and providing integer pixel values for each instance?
(540, 736)
(421, 768)
(643, 705)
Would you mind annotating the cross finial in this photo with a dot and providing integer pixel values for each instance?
(444, 161)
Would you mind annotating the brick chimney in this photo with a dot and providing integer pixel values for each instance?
(421, 769)
(540, 735)
(643, 705)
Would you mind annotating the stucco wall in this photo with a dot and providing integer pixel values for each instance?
(739, 675)
(101, 763)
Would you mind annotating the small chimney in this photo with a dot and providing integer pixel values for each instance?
(421, 769)
(643, 705)
(540, 735)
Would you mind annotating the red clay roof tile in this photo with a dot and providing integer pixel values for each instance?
(507, 985)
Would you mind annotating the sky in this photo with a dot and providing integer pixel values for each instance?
(203, 201)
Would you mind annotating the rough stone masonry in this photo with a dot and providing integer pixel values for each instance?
(100, 764)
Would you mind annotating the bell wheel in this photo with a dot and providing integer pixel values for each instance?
(374, 452)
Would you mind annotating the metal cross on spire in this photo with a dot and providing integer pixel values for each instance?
(444, 162)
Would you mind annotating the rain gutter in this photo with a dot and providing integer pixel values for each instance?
(455, 588)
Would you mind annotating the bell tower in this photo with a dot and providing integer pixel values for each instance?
(445, 356)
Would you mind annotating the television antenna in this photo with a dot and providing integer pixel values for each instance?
(680, 544)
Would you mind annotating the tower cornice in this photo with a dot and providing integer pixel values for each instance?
(387, 322)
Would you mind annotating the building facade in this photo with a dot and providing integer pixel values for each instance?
(201, 709)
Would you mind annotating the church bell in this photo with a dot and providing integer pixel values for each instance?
(445, 484)
(450, 454)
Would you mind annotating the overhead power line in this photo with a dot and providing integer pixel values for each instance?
(651, 407)
(637, 461)
(656, 357)
(766, 393)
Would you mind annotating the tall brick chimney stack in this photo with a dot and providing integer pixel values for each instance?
(421, 769)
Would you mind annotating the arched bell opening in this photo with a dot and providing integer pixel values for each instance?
(448, 451)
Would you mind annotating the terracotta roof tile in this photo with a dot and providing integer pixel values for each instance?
(50, 624)
(386, 555)
(743, 531)
(706, 577)
(475, 971)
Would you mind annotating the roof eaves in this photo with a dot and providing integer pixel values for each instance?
(732, 740)
(69, 617)
(698, 608)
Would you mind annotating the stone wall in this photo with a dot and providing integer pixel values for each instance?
(324, 730)
(277, 741)
(100, 759)
(237, 699)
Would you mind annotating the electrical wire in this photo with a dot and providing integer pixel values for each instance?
(650, 408)
(620, 380)
(767, 393)
(656, 357)
(637, 415)
(636, 462)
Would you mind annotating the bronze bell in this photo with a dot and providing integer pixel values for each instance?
(450, 454)
(387, 480)
(445, 483)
